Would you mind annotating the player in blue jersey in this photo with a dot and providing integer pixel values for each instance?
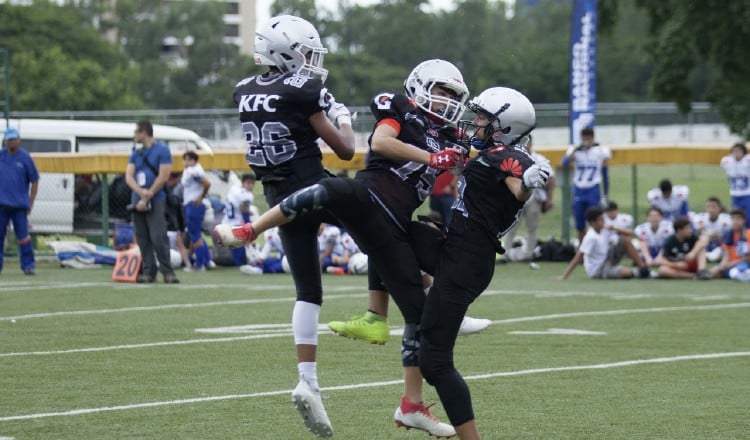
(590, 161)
(19, 180)
(737, 166)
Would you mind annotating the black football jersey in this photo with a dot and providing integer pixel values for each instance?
(274, 111)
(402, 185)
(483, 197)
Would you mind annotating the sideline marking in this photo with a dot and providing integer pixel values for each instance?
(323, 329)
(603, 366)
(557, 331)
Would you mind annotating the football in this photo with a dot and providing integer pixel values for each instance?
(224, 237)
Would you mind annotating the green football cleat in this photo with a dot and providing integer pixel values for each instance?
(370, 327)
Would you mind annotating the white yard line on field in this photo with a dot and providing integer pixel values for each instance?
(661, 360)
(178, 306)
(277, 330)
(329, 296)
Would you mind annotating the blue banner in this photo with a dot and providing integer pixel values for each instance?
(582, 68)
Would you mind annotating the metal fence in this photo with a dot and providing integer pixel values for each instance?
(617, 123)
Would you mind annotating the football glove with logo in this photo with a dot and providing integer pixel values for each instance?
(338, 112)
(536, 176)
(446, 159)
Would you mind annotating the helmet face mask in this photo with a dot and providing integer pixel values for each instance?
(421, 85)
(510, 115)
(291, 44)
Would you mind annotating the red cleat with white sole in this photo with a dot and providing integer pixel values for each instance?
(226, 235)
(415, 415)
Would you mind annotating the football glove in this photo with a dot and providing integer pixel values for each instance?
(446, 159)
(226, 235)
(536, 176)
(337, 112)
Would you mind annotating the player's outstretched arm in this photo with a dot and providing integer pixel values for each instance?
(577, 258)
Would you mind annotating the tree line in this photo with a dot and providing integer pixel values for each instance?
(676, 50)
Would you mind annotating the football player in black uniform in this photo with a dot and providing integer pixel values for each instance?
(414, 137)
(492, 189)
(283, 112)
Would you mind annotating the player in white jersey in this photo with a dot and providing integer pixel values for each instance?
(710, 227)
(238, 210)
(672, 200)
(195, 186)
(591, 170)
(652, 235)
(540, 202)
(616, 225)
(329, 244)
(737, 166)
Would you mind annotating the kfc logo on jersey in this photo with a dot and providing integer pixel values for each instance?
(252, 103)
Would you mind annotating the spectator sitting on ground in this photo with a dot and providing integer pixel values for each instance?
(673, 201)
(680, 258)
(651, 236)
(617, 225)
(601, 259)
(710, 227)
(735, 245)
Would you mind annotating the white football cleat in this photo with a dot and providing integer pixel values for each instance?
(228, 236)
(471, 325)
(310, 406)
(419, 417)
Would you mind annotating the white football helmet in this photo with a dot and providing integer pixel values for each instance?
(291, 44)
(511, 117)
(429, 73)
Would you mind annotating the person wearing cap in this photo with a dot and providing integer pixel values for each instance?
(19, 180)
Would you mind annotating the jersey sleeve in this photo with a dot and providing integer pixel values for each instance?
(309, 94)
(165, 157)
(510, 162)
(390, 108)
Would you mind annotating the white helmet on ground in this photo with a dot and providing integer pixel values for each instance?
(511, 117)
(430, 73)
(292, 44)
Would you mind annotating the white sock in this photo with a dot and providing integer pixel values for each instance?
(309, 372)
(305, 323)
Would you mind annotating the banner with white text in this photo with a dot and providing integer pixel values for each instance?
(582, 68)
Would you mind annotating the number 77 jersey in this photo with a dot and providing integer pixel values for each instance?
(588, 166)
(275, 109)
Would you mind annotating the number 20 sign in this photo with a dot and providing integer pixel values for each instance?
(126, 268)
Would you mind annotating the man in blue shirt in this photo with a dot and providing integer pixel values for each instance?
(17, 171)
(146, 174)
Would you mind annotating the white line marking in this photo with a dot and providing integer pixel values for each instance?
(603, 366)
(621, 312)
(558, 331)
(538, 293)
(290, 298)
(322, 328)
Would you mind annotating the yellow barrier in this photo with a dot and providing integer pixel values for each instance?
(621, 155)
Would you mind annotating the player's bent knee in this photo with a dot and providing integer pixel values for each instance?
(307, 199)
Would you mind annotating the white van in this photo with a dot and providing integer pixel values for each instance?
(59, 205)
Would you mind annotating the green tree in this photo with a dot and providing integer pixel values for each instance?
(203, 70)
(691, 38)
(58, 62)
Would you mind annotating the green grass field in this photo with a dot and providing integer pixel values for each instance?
(213, 358)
